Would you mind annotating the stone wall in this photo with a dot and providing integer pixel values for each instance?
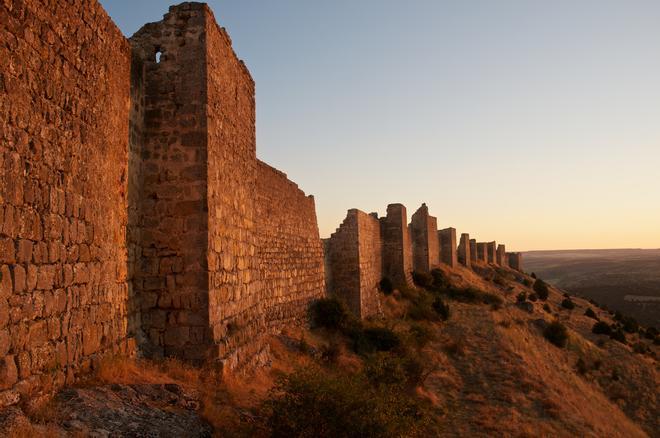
(397, 246)
(501, 255)
(473, 250)
(464, 255)
(424, 236)
(354, 254)
(448, 246)
(289, 250)
(171, 282)
(64, 131)
(491, 251)
(515, 261)
(482, 252)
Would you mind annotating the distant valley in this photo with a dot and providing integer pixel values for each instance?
(627, 280)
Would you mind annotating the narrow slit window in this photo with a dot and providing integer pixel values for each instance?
(158, 54)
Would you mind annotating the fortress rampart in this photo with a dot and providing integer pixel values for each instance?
(135, 217)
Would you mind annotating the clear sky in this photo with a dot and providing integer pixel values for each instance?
(534, 123)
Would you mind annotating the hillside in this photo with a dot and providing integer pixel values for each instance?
(627, 280)
(487, 370)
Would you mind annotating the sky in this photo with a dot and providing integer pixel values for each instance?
(529, 122)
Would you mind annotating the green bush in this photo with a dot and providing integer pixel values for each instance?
(567, 303)
(533, 297)
(521, 298)
(527, 282)
(601, 328)
(386, 286)
(590, 313)
(311, 403)
(556, 333)
(541, 289)
(329, 313)
(422, 279)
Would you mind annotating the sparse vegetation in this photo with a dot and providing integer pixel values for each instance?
(590, 313)
(547, 308)
(328, 313)
(541, 289)
(601, 328)
(314, 403)
(567, 303)
(556, 333)
(422, 279)
(533, 297)
(386, 286)
(618, 335)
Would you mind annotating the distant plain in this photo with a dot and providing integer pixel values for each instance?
(627, 280)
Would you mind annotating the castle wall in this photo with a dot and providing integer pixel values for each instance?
(171, 282)
(491, 252)
(515, 261)
(354, 254)
(397, 246)
(501, 255)
(482, 252)
(424, 236)
(464, 255)
(448, 246)
(289, 250)
(473, 250)
(64, 111)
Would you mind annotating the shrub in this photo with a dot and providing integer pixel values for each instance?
(630, 324)
(310, 403)
(556, 333)
(590, 313)
(533, 275)
(581, 366)
(640, 347)
(601, 328)
(541, 289)
(533, 297)
(422, 279)
(618, 335)
(521, 298)
(374, 339)
(439, 280)
(386, 286)
(389, 369)
(330, 352)
(618, 316)
(567, 303)
(421, 335)
(527, 282)
(471, 295)
(329, 313)
(499, 280)
(546, 307)
(651, 333)
(441, 308)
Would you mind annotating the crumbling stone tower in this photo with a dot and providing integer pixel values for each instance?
(482, 252)
(354, 254)
(424, 234)
(473, 250)
(464, 254)
(515, 261)
(397, 247)
(501, 255)
(491, 252)
(448, 246)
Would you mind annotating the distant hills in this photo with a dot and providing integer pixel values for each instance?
(627, 280)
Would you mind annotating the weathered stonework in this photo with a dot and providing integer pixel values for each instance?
(473, 250)
(482, 252)
(397, 247)
(354, 260)
(491, 252)
(448, 254)
(64, 129)
(501, 255)
(424, 235)
(133, 210)
(515, 261)
(464, 254)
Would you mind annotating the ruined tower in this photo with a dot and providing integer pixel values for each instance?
(448, 246)
(464, 254)
(424, 236)
(397, 247)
